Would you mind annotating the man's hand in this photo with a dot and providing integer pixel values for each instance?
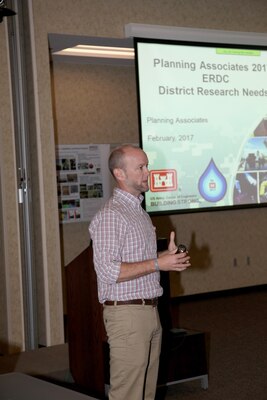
(173, 261)
(172, 246)
(170, 260)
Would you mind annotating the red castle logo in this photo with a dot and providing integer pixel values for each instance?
(163, 180)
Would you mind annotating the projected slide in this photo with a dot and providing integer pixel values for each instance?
(203, 119)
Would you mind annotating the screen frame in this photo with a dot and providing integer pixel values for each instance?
(231, 44)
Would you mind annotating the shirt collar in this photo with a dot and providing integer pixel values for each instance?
(127, 197)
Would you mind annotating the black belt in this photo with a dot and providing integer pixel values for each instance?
(145, 302)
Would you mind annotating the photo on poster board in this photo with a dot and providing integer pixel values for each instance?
(83, 180)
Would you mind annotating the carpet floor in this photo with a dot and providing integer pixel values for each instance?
(235, 325)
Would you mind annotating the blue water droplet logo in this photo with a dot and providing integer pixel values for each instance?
(212, 184)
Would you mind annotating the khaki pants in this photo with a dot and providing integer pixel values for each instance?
(134, 336)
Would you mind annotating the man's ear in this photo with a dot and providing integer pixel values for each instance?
(119, 174)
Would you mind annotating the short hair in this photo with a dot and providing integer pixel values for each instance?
(116, 158)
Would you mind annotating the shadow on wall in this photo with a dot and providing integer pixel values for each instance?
(200, 256)
(201, 261)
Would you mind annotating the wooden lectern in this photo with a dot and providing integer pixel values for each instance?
(86, 332)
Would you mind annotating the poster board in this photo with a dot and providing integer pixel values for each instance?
(83, 180)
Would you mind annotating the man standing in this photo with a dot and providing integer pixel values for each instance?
(127, 267)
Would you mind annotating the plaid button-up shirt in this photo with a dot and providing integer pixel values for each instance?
(123, 232)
